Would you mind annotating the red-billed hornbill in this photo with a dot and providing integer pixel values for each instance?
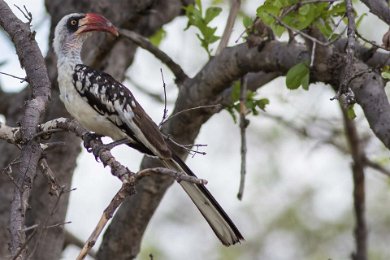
(106, 107)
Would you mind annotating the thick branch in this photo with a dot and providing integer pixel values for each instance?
(380, 8)
(31, 59)
(214, 78)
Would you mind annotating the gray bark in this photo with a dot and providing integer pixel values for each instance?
(124, 236)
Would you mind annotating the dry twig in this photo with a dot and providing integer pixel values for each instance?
(235, 7)
(127, 189)
(358, 164)
(243, 125)
(162, 56)
(165, 99)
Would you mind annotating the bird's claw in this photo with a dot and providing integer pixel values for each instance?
(87, 138)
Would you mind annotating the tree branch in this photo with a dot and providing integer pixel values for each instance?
(31, 59)
(126, 190)
(234, 8)
(243, 125)
(380, 8)
(358, 165)
(211, 81)
(162, 56)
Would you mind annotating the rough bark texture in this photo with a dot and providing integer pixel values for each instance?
(113, 57)
(123, 237)
(31, 59)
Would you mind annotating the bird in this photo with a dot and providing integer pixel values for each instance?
(106, 107)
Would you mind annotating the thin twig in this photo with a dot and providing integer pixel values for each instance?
(235, 7)
(165, 114)
(178, 176)
(127, 189)
(243, 125)
(303, 34)
(71, 239)
(217, 107)
(8, 171)
(313, 52)
(156, 97)
(358, 165)
(16, 77)
(159, 54)
(376, 166)
(370, 42)
(27, 14)
(293, 7)
(55, 188)
(119, 197)
(187, 147)
(47, 227)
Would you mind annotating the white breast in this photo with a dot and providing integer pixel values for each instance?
(81, 110)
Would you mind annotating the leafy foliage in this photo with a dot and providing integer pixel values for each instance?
(157, 37)
(201, 21)
(300, 15)
(252, 103)
(386, 72)
(351, 112)
(298, 75)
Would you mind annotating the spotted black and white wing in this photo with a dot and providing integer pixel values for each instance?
(114, 101)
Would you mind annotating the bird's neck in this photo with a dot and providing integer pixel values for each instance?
(69, 57)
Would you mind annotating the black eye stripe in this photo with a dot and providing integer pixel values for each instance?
(73, 23)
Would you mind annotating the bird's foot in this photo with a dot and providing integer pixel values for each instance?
(108, 147)
(88, 137)
(111, 146)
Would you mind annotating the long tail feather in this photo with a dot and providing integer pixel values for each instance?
(217, 218)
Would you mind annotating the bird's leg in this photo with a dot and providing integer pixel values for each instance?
(116, 143)
(88, 137)
(107, 147)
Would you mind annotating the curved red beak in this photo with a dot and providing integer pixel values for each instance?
(96, 22)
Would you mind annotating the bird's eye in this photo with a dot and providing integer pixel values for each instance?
(73, 22)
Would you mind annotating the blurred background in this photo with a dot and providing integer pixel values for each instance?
(297, 201)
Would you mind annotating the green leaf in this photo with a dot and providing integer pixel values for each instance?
(386, 75)
(304, 10)
(253, 104)
(195, 18)
(298, 75)
(262, 103)
(338, 10)
(157, 37)
(247, 21)
(211, 13)
(360, 19)
(305, 81)
(325, 28)
(351, 113)
(236, 91)
(232, 113)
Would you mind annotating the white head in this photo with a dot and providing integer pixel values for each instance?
(73, 29)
